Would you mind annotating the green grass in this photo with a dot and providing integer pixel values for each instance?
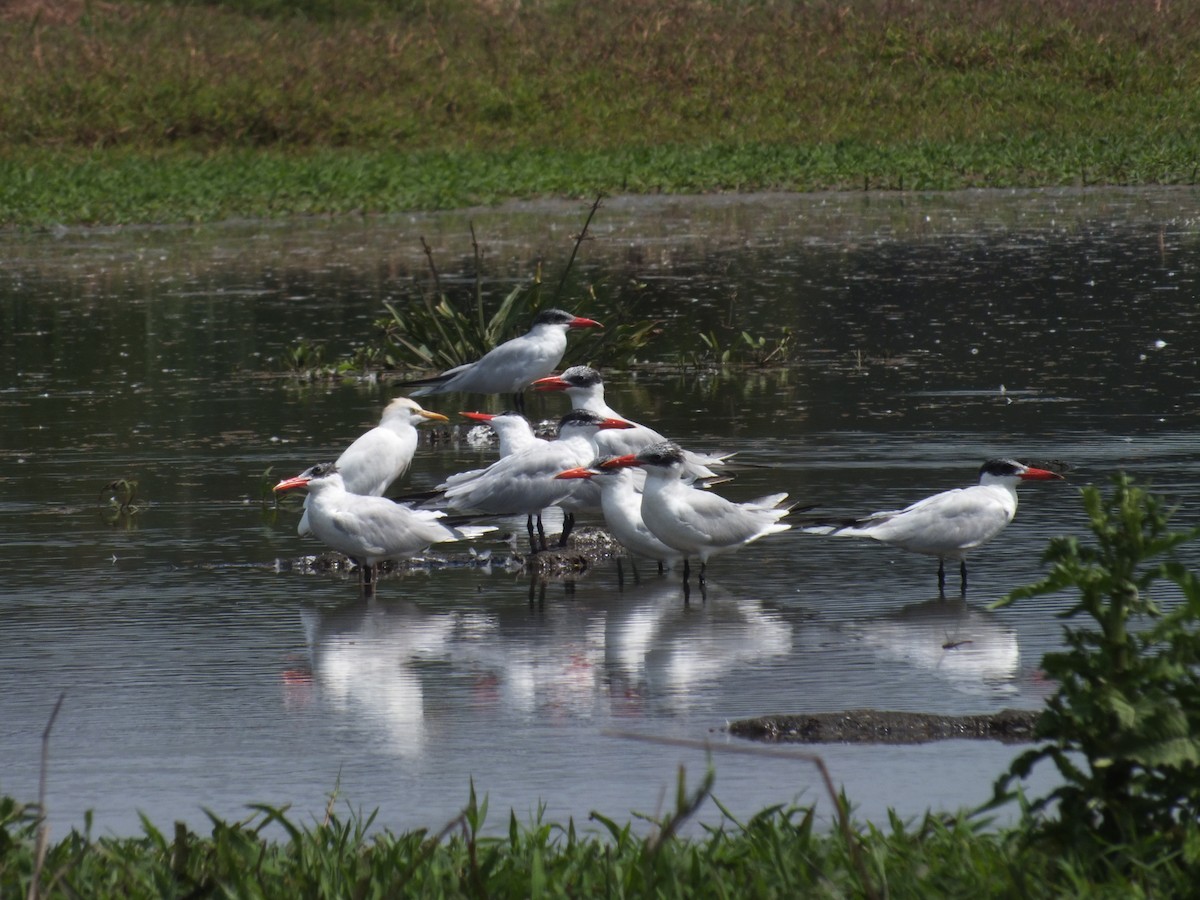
(123, 112)
(776, 853)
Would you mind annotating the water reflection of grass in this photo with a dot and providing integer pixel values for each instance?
(127, 112)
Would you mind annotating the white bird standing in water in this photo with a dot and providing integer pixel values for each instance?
(692, 521)
(380, 456)
(369, 529)
(947, 525)
(514, 365)
(524, 482)
(512, 429)
(584, 386)
(515, 435)
(621, 503)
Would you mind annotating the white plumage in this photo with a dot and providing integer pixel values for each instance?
(947, 525)
(376, 459)
(514, 365)
(369, 529)
(692, 521)
(524, 482)
(584, 386)
(621, 503)
(512, 429)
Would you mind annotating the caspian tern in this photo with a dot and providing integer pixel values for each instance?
(946, 525)
(380, 456)
(514, 365)
(524, 482)
(621, 503)
(695, 522)
(369, 529)
(584, 386)
(514, 433)
(512, 429)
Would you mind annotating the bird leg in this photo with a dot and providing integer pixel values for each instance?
(537, 590)
(621, 575)
(519, 402)
(533, 548)
(942, 577)
(366, 580)
(541, 531)
(703, 565)
(568, 524)
(687, 570)
(963, 570)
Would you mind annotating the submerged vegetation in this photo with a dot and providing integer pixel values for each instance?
(1122, 730)
(129, 111)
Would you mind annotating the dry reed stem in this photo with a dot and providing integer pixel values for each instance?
(842, 813)
(43, 830)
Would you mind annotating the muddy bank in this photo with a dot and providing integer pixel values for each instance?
(873, 726)
(586, 546)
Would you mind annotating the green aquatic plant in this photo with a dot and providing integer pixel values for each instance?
(741, 349)
(120, 494)
(117, 502)
(305, 356)
(437, 330)
(1123, 727)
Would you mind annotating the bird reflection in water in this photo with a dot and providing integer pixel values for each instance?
(365, 661)
(668, 650)
(972, 648)
(375, 664)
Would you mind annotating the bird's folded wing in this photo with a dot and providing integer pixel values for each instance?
(361, 534)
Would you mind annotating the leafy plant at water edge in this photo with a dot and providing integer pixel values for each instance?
(305, 355)
(1124, 725)
(746, 349)
(740, 347)
(438, 333)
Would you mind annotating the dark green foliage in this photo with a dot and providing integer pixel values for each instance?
(1123, 728)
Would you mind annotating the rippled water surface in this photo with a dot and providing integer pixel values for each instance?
(204, 669)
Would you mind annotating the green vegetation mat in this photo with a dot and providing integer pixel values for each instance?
(162, 112)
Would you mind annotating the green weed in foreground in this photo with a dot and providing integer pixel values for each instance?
(1123, 728)
(780, 852)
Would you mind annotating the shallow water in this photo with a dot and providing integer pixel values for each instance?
(204, 669)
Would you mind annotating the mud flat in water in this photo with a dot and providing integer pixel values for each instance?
(873, 726)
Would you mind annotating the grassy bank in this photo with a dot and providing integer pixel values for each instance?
(123, 112)
(778, 853)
